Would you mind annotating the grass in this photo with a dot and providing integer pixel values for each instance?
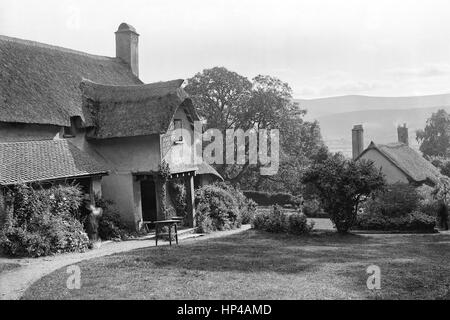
(258, 265)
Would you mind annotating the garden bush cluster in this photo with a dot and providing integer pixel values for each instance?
(247, 207)
(400, 208)
(221, 206)
(110, 225)
(43, 221)
(279, 221)
(216, 209)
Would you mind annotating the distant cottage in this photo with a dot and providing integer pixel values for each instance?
(70, 116)
(397, 161)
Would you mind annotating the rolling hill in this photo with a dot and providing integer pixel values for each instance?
(326, 106)
(380, 117)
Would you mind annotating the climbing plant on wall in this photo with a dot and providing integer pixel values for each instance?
(178, 194)
(162, 178)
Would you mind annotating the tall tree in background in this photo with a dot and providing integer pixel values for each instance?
(220, 96)
(228, 100)
(435, 138)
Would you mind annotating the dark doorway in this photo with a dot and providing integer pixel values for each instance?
(148, 196)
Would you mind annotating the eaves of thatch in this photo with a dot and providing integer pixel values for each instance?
(137, 110)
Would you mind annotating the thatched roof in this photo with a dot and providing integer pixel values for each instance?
(32, 161)
(409, 161)
(127, 111)
(40, 83)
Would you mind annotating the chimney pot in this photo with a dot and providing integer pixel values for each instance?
(403, 136)
(127, 46)
(357, 140)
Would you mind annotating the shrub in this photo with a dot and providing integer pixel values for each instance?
(216, 209)
(268, 199)
(396, 201)
(271, 221)
(278, 221)
(414, 221)
(428, 203)
(247, 207)
(401, 208)
(249, 211)
(41, 222)
(65, 199)
(110, 225)
(312, 209)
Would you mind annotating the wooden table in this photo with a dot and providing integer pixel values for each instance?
(170, 224)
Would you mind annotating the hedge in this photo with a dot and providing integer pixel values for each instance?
(268, 199)
(414, 221)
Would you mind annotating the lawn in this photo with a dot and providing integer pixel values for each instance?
(258, 265)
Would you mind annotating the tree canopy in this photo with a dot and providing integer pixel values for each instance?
(342, 185)
(228, 100)
(435, 138)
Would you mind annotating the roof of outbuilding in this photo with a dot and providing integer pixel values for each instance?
(39, 83)
(127, 111)
(409, 161)
(32, 161)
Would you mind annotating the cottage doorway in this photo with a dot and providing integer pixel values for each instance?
(148, 200)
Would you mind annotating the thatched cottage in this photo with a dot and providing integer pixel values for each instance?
(398, 161)
(69, 115)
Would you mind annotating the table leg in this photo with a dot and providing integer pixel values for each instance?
(156, 234)
(170, 234)
(176, 233)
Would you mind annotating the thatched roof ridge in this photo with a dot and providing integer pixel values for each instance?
(116, 93)
(44, 160)
(138, 110)
(39, 83)
(409, 161)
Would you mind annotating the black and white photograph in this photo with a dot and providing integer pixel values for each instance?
(236, 151)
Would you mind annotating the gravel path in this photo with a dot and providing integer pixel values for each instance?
(13, 283)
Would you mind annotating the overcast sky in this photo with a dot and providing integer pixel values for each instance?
(320, 47)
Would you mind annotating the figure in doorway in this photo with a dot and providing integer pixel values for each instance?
(92, 215)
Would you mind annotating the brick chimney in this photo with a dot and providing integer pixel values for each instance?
(127, 46)
(402, 132)
(357, 140)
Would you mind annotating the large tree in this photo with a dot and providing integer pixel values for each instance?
(435, 138)
(228, 100)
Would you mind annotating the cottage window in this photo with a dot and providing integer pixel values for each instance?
(178, 124)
